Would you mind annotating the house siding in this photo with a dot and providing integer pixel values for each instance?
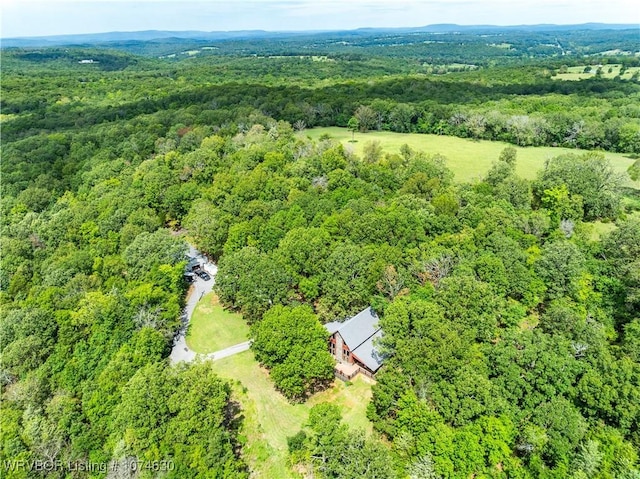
(342, 353)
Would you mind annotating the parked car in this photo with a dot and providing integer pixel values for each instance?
(203, 274)
(189, 278)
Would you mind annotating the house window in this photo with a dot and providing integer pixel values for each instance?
(332, 346)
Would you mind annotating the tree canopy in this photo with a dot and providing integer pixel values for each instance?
(510, 308)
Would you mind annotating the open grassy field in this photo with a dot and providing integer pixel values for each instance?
(468, 159)
(269, 418)
(597, 229)
(212, 328)
(577, 73)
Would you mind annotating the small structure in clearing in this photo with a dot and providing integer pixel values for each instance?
(192, 265)
(352, 344)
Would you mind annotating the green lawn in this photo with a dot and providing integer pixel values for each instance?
(468, 159)
(269, 418)
(597, 229)
(577, 72)
(212, 328)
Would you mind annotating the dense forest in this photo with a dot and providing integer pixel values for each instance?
(511, 330)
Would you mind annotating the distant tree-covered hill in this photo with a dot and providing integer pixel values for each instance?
(510, 307)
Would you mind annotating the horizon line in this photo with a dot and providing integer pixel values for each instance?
(328, 30)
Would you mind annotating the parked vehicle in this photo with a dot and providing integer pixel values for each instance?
(203, 274)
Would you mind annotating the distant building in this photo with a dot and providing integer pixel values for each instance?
(352, 344)
(87, 61)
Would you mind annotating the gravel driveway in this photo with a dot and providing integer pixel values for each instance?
(199, 288)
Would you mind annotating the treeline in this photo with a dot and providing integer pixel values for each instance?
(65, 58)
(498, 309)
(592, 114)
(91, 294)
(523, 106)
(504, 323)
(483, 46)
(511, 335)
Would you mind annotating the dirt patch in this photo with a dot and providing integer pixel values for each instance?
(191, 290)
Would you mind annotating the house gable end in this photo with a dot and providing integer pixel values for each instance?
(353, 340)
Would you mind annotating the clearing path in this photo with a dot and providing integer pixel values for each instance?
(269, 419)
(230, 351)
(180, 350)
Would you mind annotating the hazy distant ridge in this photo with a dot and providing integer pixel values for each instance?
(150, 35)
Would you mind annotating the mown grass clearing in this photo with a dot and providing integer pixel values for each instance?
(608, 71)
(597, 229)
(212, 328)
(269, 418)
(468, 159)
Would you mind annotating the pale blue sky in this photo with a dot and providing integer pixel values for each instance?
(54, 17)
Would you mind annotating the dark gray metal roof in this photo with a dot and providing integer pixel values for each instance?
(358, 329)
(368, 354)
(333, 326)
(192, 262)
(358, 334)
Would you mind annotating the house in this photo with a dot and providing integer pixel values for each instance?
(192, 265)
(352, 344)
